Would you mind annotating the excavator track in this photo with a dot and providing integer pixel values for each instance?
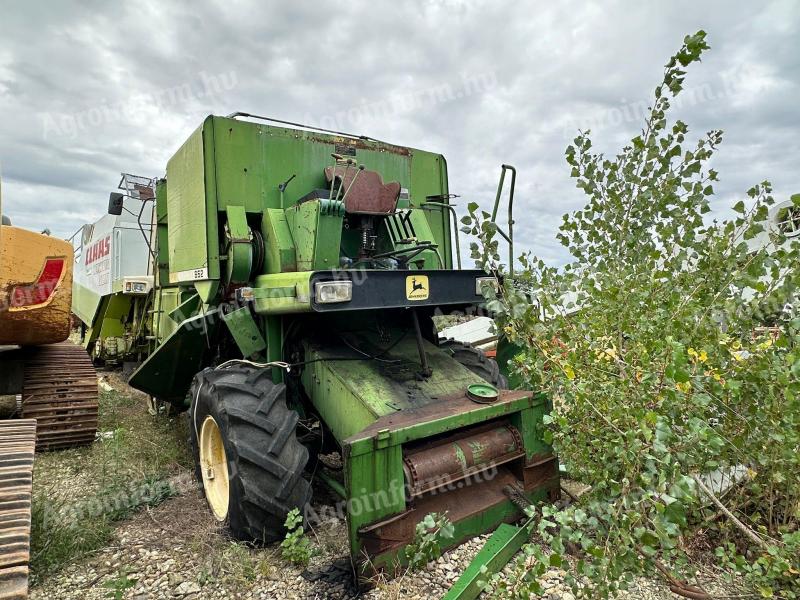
(60, 392)
(17, 444)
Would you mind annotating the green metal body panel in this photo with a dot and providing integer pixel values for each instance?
(108, 320)
(86, 303)
(362, 443)
(245, 332)
(207, 290)
(167, 374)
(170, 307)
(185, 309)
(506, 351)
(279, 253)
(229, 162)
(282, 293)
(191, 245)
(162, 234)
(374, 473)
(316, 229)
(504, 543)
(431, 175)
(351, 394)
(274, 330)
(239, 259)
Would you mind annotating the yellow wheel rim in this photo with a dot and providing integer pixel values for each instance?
(214, 466)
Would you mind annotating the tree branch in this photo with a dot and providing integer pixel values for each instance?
(744, 528)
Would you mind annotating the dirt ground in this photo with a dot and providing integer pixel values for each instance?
(173, 548)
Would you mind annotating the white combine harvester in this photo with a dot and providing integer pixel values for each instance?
(113, 274)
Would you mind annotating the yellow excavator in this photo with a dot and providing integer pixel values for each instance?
(48, 386)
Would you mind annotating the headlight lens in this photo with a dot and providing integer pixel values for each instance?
(329, 292)
(482, 282)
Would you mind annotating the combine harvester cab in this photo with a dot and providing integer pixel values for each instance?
(299, 274)
(113, 275)
(48, 386)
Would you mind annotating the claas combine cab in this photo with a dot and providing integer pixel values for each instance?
(113, 281)
(298, 277)
(48, 387)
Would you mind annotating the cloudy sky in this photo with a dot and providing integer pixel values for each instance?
(90, 89)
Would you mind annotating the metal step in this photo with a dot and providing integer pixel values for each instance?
(17, 445)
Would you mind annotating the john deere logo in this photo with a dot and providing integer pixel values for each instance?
(417, 287)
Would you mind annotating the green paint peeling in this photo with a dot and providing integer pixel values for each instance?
(477, 451)
(462, 459)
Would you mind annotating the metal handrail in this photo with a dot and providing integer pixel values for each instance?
(355, 136)
(452, 209)
(509, 237)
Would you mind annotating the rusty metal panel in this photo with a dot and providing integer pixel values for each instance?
(432, 468)
(485, 500)
(17, 443)
(60, 392)
(364, 191)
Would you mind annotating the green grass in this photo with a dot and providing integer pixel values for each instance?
(79, 494)
(237, 565)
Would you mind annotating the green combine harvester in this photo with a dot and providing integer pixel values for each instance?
(297, 276)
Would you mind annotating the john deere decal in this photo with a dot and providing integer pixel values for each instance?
(417, 287)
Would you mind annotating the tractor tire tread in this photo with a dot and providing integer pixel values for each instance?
(265, 459)
(476, 361)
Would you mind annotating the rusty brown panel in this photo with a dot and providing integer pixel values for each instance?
(365, 191)
(362, 144)
(446, 406)
(145, 191)
(541, 471)
(460, 503)
(434, 467)
(17, 442)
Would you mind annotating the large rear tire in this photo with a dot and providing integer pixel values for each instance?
(246, 451)
(476, 361)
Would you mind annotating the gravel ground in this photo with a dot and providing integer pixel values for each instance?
(177, 550)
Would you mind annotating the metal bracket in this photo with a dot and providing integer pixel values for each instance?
(245, 331)
(382, 439)
(495, 554)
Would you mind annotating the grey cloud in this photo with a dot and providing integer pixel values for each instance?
(552, 67)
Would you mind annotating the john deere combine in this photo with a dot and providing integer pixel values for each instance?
(297, 277)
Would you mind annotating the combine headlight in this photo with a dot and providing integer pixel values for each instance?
(329, 292)
(482, 282)
(135, 287)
